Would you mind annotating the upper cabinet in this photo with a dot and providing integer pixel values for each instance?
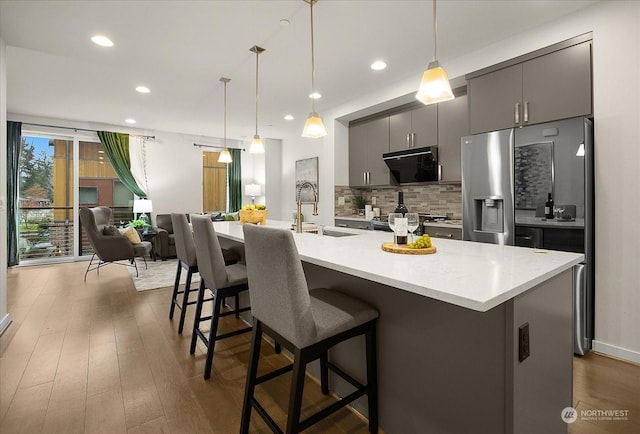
(367, 142)
(551, 86)
(414, 128)
(453, 124)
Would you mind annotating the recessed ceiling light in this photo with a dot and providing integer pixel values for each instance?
(130, 121)
(378, 65)
(289, 117)
(101, 40)
(143, 89)
(315, 95)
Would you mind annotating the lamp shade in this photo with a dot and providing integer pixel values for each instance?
(314, 127)
(257, 147)
(252, 190)
(225, 156)
(142, 206)
(434, 86)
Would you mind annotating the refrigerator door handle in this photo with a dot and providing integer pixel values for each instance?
(516, 113)
(580, 344)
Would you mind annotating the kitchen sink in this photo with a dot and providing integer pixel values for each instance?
(330, 233)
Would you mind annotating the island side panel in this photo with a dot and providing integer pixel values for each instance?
(541, 385)
(441, 367)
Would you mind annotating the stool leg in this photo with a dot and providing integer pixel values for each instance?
(213, 331)
(237, 305)
(175, 291)
(185, 300)
(277, 347)
(324, 373)
(372, 377)
(252, 372)
(196, 320)
(297, 387)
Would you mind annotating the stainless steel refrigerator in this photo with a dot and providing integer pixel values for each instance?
(507, 177)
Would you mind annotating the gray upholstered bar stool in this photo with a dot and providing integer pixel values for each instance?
(307, 323)
(222, 280)
(186, 252)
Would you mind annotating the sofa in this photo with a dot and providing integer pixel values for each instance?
(165, 240)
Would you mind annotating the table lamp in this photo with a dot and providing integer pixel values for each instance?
(252, 190)
(142, 206)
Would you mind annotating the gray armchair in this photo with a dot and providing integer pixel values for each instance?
(109, 245)
(165, 239)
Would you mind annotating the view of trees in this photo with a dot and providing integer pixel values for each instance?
(36, 172)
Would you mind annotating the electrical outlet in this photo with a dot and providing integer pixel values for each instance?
(524, 349)
(340, 200)
(374, 200)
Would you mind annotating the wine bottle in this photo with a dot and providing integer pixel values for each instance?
(548, 208)
(401, 231)
(401, 207)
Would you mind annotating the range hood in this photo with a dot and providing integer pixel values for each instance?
(411, 166)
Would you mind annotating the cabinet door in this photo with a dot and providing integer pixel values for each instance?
(558, 85)
(399, 129)
(377, 144)
(357, 155)
(453, 124)
(493, 98)
(424, 126)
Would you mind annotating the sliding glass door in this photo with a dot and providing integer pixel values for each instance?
(58, 176)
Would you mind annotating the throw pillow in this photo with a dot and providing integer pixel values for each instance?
(132, 235)
(110, 230)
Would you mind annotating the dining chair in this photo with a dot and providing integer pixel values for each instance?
(186, 253)
(307, 323)
(222, 281)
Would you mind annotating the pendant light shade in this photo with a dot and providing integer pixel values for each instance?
(434, 86)
(257, 147)
(225, 155)
(313, 127)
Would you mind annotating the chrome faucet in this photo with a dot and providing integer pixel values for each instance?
(299, 203)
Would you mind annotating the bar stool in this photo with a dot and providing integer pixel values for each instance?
(186, 252)
(222, 280)
(307, 323)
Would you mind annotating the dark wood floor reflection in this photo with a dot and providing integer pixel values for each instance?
(102, 358)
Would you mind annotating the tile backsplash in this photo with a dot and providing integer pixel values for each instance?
(441, 199)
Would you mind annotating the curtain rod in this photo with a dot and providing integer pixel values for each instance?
(198, 145)
(78, 129)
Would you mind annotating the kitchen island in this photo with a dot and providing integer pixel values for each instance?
(449, 344)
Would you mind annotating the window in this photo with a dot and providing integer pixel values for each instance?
(88, 195)
(214, 183)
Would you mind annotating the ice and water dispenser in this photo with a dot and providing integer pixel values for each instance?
(488, 214)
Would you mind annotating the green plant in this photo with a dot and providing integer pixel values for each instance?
(359, 201)
(138, 224)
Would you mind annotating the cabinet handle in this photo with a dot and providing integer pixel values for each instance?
(413, 140)
(368, 178)
(439, 172)
(517, 113)
(341, 225)
(408, 140)
(526, 111)
(441, 235)
(364, 178)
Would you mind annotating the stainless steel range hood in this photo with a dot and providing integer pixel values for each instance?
(411, 166)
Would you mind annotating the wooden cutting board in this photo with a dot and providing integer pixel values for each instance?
(395, 248)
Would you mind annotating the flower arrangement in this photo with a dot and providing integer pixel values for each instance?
(253, 214)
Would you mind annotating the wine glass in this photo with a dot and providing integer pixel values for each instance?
(412, 222)
(392, 220)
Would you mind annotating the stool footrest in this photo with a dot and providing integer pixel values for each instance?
(233, 333)
(268, 419)
(355, 383)
(330, 409)
(274, 374)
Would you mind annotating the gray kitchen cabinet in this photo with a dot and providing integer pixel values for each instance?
(452, 233)
(453, 124)
(367, 142)
(352, 224)
(553, 86)
(415, 128)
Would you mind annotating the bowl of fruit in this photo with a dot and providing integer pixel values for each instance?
(256, 214)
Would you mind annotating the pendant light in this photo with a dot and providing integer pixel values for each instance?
(313, 127)
(257, 147)
(434, 86)
(225, 155)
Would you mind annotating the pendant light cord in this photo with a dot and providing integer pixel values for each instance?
(313, 65)
(435, 31)
(257, 54)
(225, 115)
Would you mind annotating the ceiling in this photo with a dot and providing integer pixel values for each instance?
(180, 49)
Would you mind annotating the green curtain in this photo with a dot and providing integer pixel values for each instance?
(234, 180)
(14, 139)
(116, 146)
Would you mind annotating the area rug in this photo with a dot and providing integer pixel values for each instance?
(159, 274)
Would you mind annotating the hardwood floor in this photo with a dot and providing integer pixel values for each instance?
(102, 358)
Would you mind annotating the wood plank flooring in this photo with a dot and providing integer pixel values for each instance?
(102, 358)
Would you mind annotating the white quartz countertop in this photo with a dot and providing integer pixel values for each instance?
(473, 275)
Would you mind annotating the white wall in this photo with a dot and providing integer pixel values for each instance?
(4, 315)
(616, 95)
